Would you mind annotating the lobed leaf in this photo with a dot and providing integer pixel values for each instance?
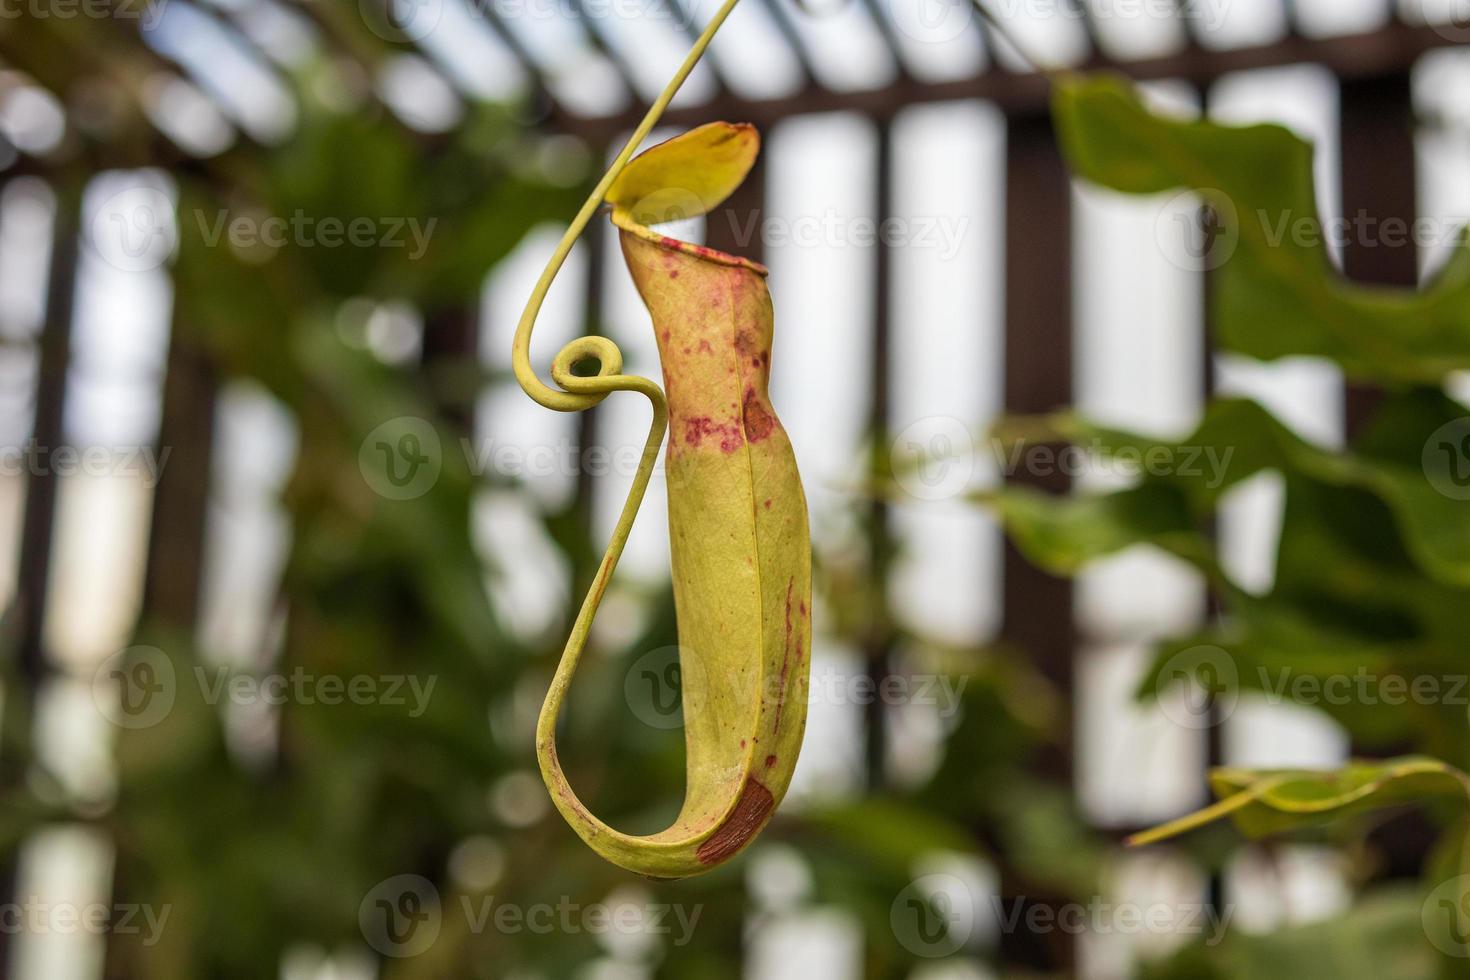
(1268, 802)
(1278, 294)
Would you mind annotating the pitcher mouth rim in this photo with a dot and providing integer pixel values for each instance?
(689, 248)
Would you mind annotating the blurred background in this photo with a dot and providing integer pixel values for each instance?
(287, 558)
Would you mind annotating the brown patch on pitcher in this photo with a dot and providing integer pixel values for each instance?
(758, 421)
(750, 814)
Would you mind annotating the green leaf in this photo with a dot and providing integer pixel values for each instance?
(1370, 574)
(1268, 802)
(1278, 294)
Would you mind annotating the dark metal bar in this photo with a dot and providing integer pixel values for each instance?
(1193, 37)
(604, 46)
(48, 433)
(1293, 16)
(1379, 188)
(1214, 734)
(181, 500)
(37, 528)
(1037, 607)
(1089, 24)
(887, 31)
(1378, 197)
(878, 645)
(987, 41)
(176, 547)
(1390, 49)
(1038, 368)
(448, 358)
(793, 41)
(691, 30)
(588, 422)
(545, 102)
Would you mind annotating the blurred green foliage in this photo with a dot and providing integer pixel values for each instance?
(1372, 573)
(257, 856)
